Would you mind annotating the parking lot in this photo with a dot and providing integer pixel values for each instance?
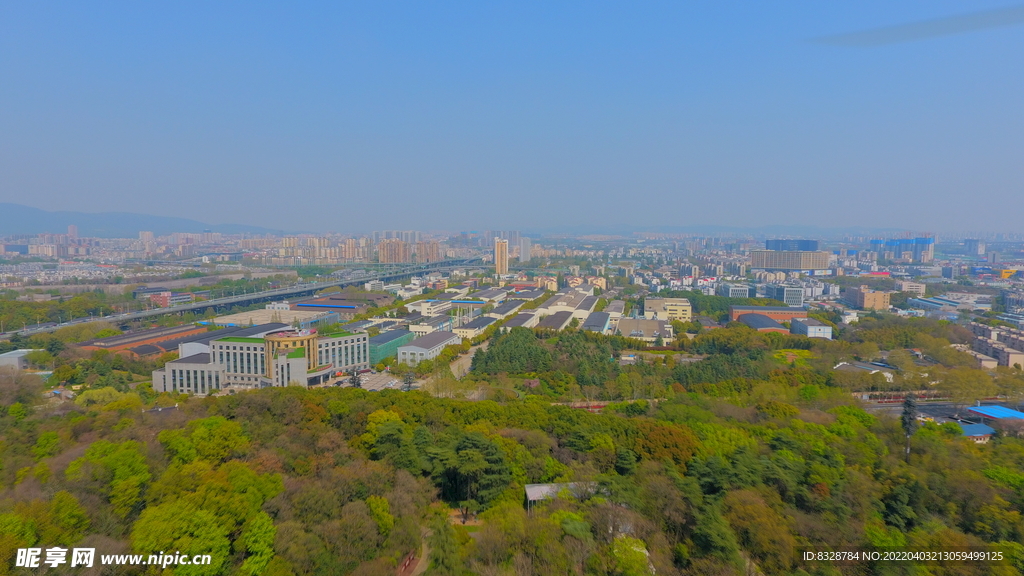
(375, 382)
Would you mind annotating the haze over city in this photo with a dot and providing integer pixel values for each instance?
(326, 117)
(512, 289)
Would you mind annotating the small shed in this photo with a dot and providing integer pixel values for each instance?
(980, 433)
(538, 492)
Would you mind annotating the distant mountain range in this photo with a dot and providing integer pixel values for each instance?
(18, 219)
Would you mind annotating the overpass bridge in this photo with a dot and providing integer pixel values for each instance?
(388, 274)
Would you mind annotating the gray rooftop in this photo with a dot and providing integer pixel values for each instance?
(760, 322)
(193, 359)
(557, 321)
(518, 320)
(536, 492)
(527, 294)
(809, 321)
(756, 309)
(481, 322)
(435, 320)
(18, 353)
(615, 306)
(433, 339)
(389, 336)
(597, 321)
(507, 307)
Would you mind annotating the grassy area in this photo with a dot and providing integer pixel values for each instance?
(791, 356)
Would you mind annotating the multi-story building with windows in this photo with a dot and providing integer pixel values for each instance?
(283, 358)
(911, 287)
(393, 251)
(733, 290)
(788, 244)
(427, 347)
(668, 309)
(791, 295)
(500, 256)
(788, 260)
(866, 299)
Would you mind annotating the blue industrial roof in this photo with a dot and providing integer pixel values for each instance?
(977, 430)
(997, 412)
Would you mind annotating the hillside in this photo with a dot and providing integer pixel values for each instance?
(728, 465)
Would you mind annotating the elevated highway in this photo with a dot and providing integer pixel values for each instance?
(389, 274)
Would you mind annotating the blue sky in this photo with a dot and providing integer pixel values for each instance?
(356, 116)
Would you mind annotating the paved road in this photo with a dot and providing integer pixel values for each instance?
(461, 366)
(940, 411)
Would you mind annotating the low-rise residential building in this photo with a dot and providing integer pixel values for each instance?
(867, 299)
(1004, 355)
(911, 287)
(979, 433)
(427, 347)
(668, 309)
(982, 361)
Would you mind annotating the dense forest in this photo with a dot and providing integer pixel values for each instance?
(728, 464)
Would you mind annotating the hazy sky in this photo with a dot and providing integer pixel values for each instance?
(355, 116)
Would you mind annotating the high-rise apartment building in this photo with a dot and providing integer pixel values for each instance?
(790, 245)
(916, 249)
(500, 256)
(428, 251)
(525, 248)
(788, 260)
(409, 236)
(72, 231)
(974, 247)
(393, 251)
